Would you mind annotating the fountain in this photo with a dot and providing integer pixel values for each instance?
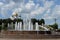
(30, 25)
(15, 25)
(37, 27)
(27, 24)
(8, 25)
(20, 24)
(24, 26)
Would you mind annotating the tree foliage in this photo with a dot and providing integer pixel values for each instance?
(39, 21)
(54, 26)
(42, 21)
(33, 21)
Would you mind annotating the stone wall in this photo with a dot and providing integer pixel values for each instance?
(27, 32)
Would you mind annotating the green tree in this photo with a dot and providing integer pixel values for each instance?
(0, 21)
(41, 21)
(55, 26)
(33, 20)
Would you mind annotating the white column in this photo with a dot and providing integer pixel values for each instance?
(37, 27)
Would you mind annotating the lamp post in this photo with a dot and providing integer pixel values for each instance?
(55, 20)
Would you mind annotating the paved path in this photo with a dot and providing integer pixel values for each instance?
(27, 39)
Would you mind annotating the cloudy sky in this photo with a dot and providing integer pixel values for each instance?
(47, 9)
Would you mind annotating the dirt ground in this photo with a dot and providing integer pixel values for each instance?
(26, 39)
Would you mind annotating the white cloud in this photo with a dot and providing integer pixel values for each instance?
(37, 5)
(18, 10)
(38, 11)
(54, 14)
(48, 11)
(30, 5)
(3, 12)
(1, 4)
(28, 8)
(6, 7)
(41, 10)
(48, 4)
(9, 5)
(46, 16)
(56, 11)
